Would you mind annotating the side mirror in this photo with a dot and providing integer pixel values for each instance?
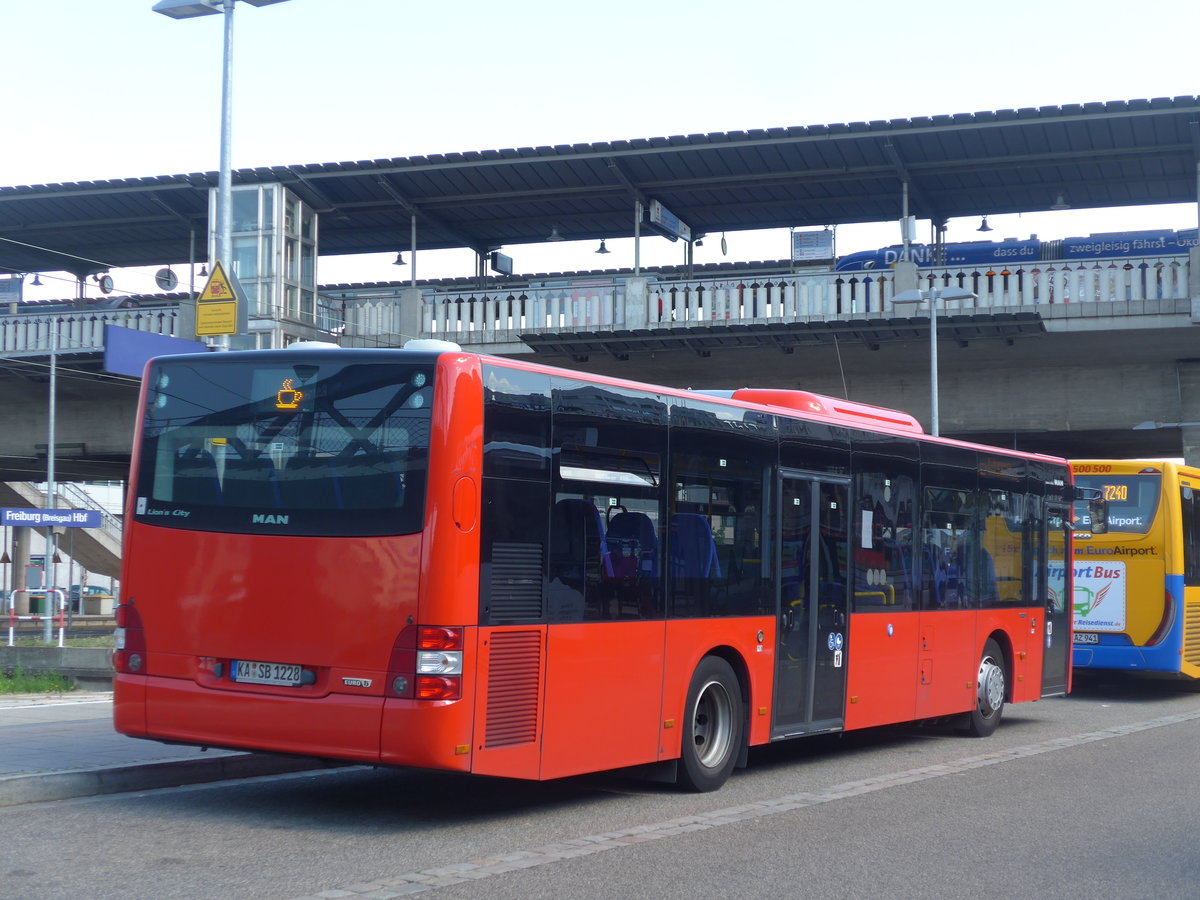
(1096, 508)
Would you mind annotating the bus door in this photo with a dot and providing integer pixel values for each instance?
(1056, 632)
(811, 651)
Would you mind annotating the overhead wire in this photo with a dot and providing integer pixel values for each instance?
(66, 255)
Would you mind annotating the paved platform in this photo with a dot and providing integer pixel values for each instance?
(56, 746)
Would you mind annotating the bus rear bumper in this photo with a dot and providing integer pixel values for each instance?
(1126, 659)
(180, 711)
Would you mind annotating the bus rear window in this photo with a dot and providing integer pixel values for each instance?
(1132, 501)
(302, 445)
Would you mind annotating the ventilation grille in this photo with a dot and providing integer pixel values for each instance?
(514, 669)
(1191, 634)
(516, 591)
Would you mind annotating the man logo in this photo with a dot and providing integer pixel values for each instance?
(264, 519)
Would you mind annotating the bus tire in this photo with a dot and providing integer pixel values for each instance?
(713, 725)
(990, 686)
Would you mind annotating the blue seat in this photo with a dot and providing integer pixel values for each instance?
(632, 545)
(577, 546)
(195, 479)
(371, 481)
(310, 482)
(693, 551)
(249, 481)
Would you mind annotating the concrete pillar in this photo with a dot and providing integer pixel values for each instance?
(637, 309)
(20, 560)
(1187, 373)
(905, 273)
(412, 314)
(1194, 281)
(1189, 438)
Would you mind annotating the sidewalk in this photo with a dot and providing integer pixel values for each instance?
(56, 746)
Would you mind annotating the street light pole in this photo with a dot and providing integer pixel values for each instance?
(225, 173)
(933, 295)
(190, 9)
(934, 427)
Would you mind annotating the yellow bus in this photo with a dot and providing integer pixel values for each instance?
(1137, 579)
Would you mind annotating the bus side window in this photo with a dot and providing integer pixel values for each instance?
(579, 558)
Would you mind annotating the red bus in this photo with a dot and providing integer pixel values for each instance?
(432, 558)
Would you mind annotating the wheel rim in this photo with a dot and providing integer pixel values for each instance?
(991, 687)
(712, 725)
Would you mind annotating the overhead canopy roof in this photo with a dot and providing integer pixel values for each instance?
(1123, 153)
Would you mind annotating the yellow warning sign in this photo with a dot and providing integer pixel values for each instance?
(216, 305)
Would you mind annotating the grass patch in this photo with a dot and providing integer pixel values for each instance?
(18, 681)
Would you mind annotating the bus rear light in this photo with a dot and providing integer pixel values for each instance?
(1168, 619)
(438, 638)
(129, 641)
(445, 687)
(439, 662)
(427, 663)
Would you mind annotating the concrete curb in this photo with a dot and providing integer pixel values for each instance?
(39, 787)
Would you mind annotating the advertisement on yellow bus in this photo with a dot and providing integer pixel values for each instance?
(1137, 579)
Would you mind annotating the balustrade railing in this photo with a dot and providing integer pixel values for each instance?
(81, 331)
(506, 313)
(483, 317)
(500, 316)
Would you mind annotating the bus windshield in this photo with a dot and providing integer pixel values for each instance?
(1132, 501)
(259, 444)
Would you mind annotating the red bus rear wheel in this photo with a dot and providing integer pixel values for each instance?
(712, 735)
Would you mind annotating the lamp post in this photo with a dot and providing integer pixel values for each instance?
(933, 295)
(190, 9)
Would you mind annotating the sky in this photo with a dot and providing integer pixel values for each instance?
(102, 89)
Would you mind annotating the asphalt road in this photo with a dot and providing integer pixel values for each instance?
(1079, 797)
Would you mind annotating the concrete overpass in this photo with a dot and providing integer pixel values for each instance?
(1070, 377)
(1066, 362)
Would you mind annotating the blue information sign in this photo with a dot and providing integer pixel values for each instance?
(44, 518)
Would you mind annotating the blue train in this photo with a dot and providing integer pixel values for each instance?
(1013, 252)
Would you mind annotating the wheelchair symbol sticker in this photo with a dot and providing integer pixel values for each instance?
(832, 642)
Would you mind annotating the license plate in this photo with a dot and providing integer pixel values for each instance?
(249, 671)
(1087, 637)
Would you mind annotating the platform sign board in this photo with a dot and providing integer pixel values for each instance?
(50, 518)
(812, 247)
(10, 289)
(667, 223)
(217, 306)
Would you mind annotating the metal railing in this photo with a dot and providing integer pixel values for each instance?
(110, 525)
(14, 618)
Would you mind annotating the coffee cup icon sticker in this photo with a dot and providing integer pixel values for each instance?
(288, 397)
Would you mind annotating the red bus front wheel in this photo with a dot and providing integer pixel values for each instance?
(990, 688)
(712, 735)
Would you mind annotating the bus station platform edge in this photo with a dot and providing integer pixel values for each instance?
(61, 746)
